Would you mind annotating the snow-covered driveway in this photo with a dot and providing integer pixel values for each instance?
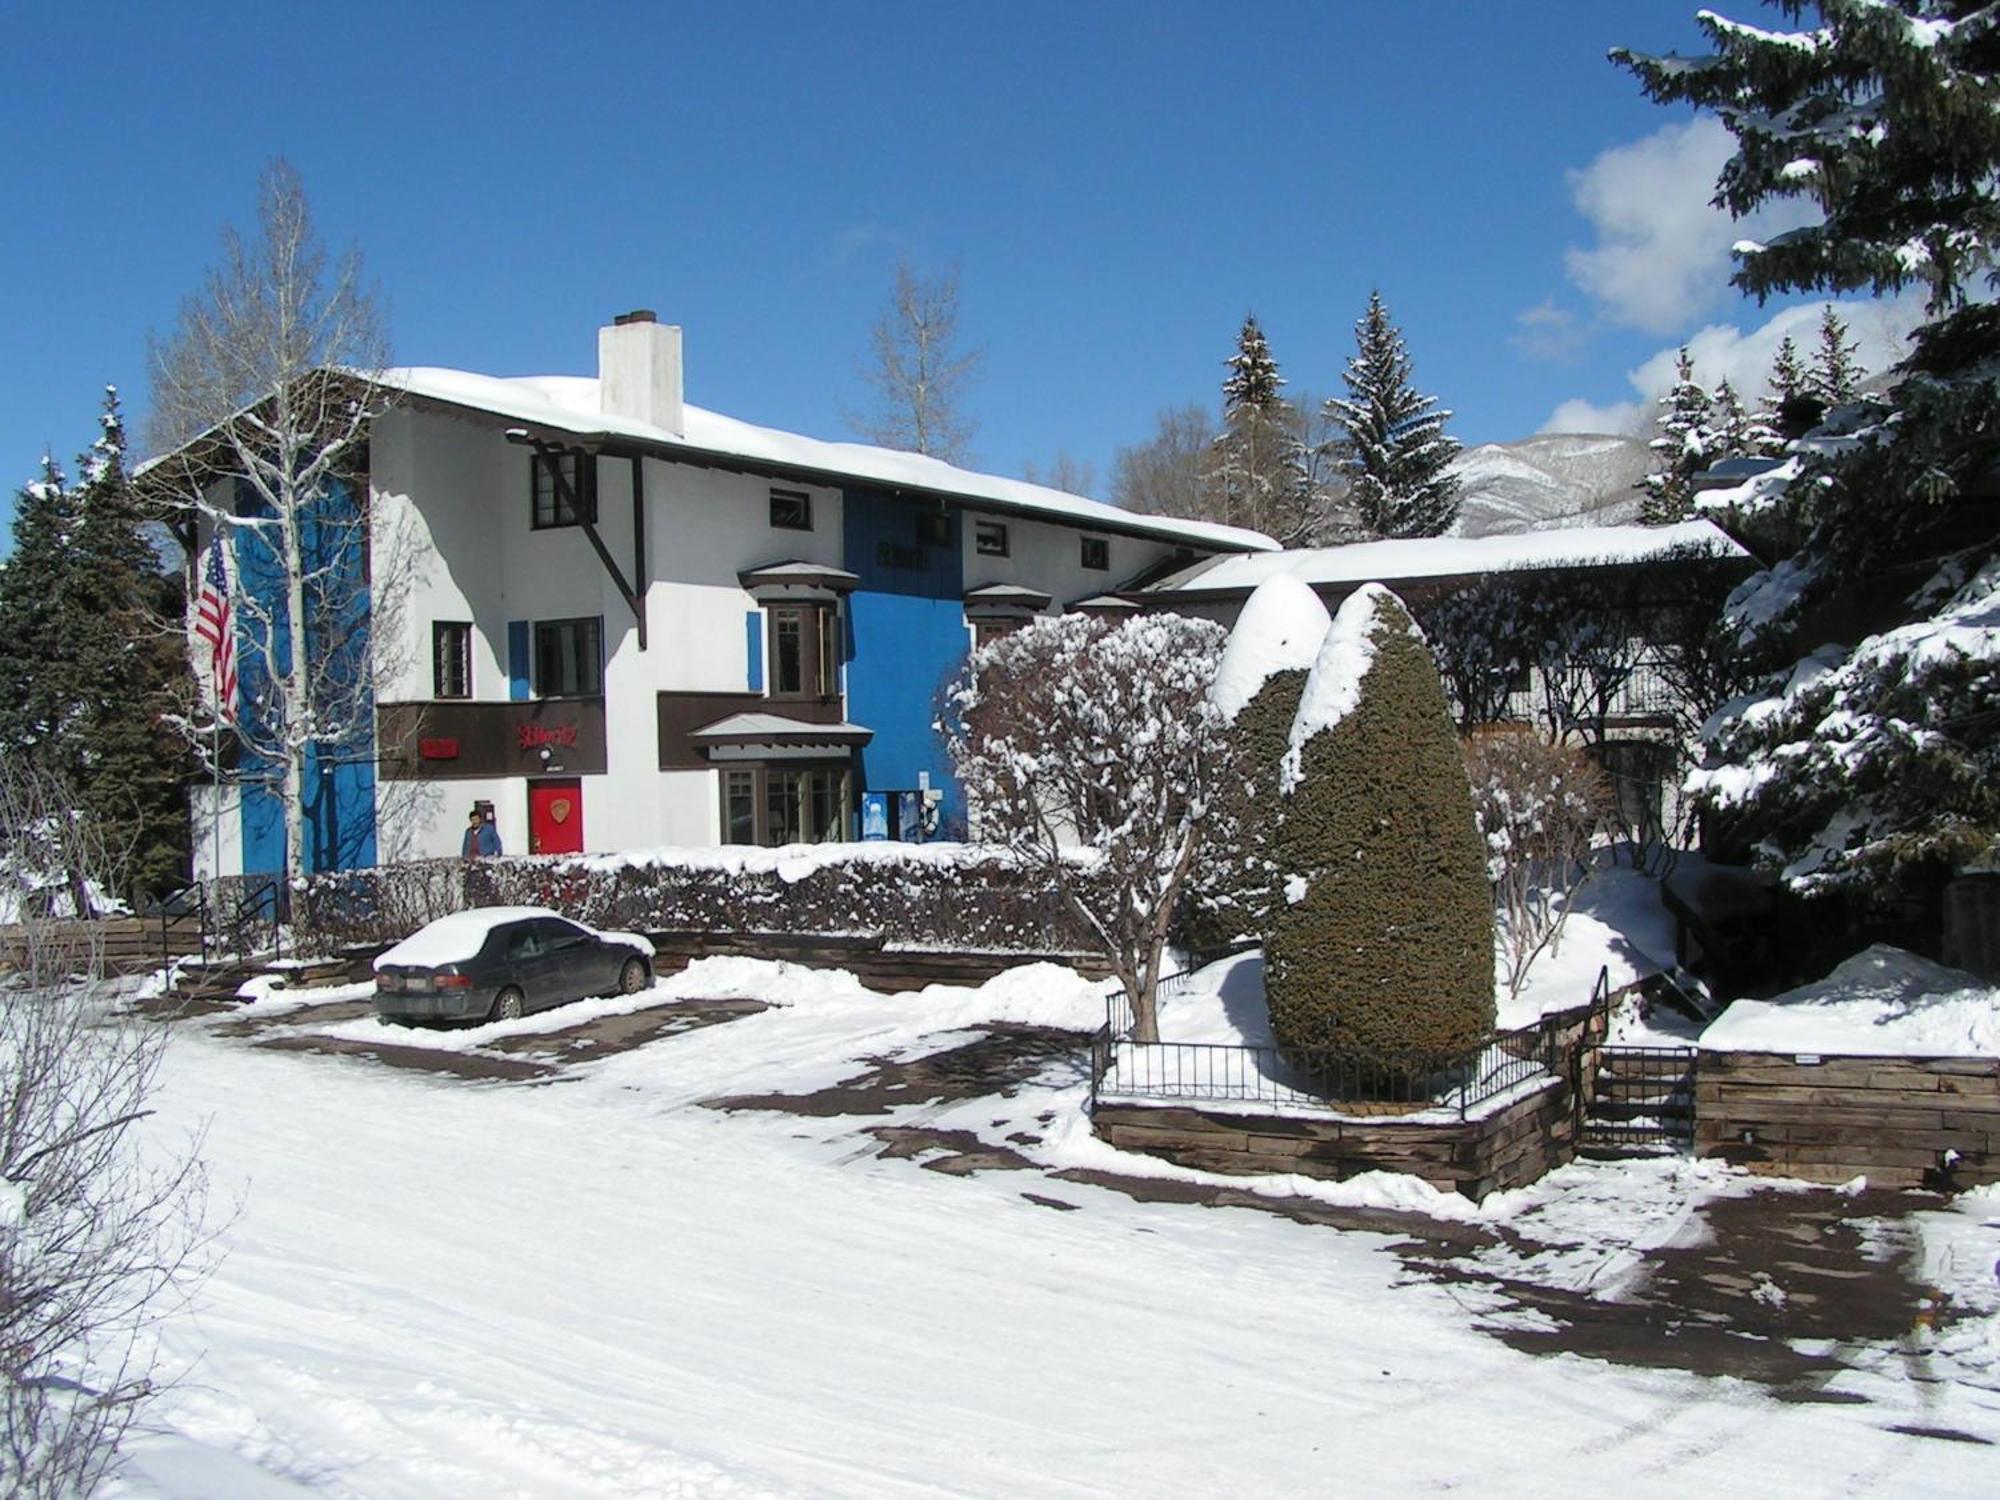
(598, 1288)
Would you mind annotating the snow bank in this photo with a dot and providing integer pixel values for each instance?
(1883, 1002)
(1280, 630)
(1617, 923)
(1334, 685)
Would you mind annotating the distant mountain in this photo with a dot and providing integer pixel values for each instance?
(1556, 479)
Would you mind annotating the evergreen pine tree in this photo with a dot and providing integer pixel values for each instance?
(88, 665)
(1863, 765)
(37, 694)
(1836, 374)
(1681, 451)
(1788, 376)
(1393, 444)
(1251, 474)
(1736, 431)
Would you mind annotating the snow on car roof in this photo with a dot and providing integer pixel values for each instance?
(457, 939)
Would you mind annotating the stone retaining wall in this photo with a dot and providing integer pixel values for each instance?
(1893, 1120)
(1508, 1148)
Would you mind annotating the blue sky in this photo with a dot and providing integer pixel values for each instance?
(1117, 183)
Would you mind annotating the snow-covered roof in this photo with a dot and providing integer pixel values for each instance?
(1451, 557)
(1883, 1002)
(569, 404)
(1280, 630)
(457, 938)
(1103, 604)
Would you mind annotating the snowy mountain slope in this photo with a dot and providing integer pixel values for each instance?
(1553, 479)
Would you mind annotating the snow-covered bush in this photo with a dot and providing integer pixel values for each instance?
(1075, 736)
(1538, 804)
(1237, 882)
(98, 1237)
(1384, 948)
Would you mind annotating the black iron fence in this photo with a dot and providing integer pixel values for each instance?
(1411, 1082)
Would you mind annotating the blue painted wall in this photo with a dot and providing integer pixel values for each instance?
(340, 778)
(905, 640)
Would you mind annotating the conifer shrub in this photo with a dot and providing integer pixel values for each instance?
(1382, 948)
(1238, 885)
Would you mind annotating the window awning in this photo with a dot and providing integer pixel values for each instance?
(792, 579)
(761, 736)
(1004, 600)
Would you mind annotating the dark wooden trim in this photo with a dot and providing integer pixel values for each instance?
(468, 738)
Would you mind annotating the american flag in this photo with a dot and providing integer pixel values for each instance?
(212, 624)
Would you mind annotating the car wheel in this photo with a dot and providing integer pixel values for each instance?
(508, 1004)
(633, 977)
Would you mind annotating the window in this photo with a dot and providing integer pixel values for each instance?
(552, 502)
(989, 538)
(451, 659)
(985, 632)
(773, 805)
(934, 528)
(1096, 554)
(791, 510)
(805, 651)
(739, 807)
(569, 658)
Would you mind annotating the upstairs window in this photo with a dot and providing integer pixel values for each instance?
(791, 510)
(552, 505)
(989, 538)
(805, 651)
(1096, 554)
(451, 659)
(569, 658)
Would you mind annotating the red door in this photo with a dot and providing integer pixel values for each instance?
(555, 817)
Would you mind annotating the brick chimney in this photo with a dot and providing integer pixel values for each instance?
(639, 371)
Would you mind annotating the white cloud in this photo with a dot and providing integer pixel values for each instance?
(1549, 332)
(1620, 418)
(1661, 255)
(1722, 351)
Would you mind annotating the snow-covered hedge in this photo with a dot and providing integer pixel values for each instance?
(951, 896)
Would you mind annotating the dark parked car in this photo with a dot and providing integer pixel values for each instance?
(499, 962)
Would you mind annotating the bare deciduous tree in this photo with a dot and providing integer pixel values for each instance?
(262, 400)
(1170, 474)
(1065, 472)
(1539, 804)
(99, 1239)
(1092, 750)
(918, 370)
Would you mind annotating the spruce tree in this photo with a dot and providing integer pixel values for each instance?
(1393, 445)
(1863, 765)
(89, 663)
(1682, 449)
(1251, 472)
(1836, 374)
(1788, 376)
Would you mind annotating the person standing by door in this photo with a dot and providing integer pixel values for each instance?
(482, 839)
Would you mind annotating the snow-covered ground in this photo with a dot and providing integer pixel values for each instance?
(598, 1287)
(1881, 1002)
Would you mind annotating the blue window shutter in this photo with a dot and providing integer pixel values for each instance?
(517, 659)
(753, 635)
